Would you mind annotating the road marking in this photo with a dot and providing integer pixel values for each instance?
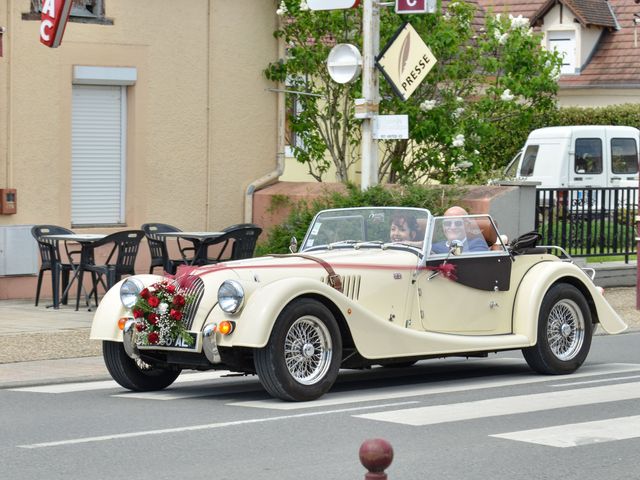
(590, 382)
(508, 405)
(449, 386)
(577, 434)
(208, 426)
(108, 384)
(182, 394)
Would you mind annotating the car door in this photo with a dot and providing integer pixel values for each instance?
(466, 293)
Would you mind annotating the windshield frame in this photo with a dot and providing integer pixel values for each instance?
(388, 211)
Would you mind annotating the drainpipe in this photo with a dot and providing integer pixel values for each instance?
(272, 176)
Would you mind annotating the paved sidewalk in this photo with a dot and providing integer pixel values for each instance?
(41, 345)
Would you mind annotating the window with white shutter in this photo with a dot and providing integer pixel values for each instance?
(98, 155)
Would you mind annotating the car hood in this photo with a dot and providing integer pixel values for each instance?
(343, 261)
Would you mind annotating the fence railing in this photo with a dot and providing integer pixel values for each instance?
(588, 222)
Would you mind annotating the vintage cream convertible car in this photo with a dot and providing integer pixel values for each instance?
(352, 297)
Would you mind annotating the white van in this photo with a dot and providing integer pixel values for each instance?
(579, 156)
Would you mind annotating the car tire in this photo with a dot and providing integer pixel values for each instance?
(564, 332)
(134, 374)
(302, 358)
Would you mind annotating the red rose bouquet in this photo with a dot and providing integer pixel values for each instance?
(158, 313)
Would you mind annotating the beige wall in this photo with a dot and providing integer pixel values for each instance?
(597, 97)
(201, 125)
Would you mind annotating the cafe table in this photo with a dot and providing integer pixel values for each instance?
(200, 241)
(86, 241)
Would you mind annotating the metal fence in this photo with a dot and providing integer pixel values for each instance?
(588, 222)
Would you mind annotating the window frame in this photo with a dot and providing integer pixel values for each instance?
(77, 16)
(626, 163)
(601, 158)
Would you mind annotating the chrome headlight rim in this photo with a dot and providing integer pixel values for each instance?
(129, 291)
(231, 296)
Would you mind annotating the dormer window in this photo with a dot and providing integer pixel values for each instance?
(564, 42)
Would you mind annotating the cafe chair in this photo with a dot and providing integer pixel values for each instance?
(51, 260)
(237, 242)
(120, 261)
(158, 247)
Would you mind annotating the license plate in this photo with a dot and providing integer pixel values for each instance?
(178, 344)
(182, 345)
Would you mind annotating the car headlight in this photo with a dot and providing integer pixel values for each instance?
(129, 291)
(230, 296)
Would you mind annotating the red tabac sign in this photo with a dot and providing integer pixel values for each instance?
(53, 21)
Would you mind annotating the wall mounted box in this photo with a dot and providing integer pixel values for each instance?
(8, 201)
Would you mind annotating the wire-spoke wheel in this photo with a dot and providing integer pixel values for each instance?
(564, 332)
(308, 350)
(565, 329)
(302, 359)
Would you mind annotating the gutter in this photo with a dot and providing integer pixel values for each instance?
(272, 176)
(261, 182)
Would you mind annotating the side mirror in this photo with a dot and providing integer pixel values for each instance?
(455, 247)
(293, 245)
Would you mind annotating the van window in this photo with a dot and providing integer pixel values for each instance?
(624, 156)
(588, 155)
(529, 160)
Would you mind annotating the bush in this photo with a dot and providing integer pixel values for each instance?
(626, 115)
(435, 199)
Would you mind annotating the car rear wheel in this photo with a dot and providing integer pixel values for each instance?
(302, 359)
(135, 374)
(564, 332)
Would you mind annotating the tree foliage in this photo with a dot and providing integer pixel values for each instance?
(489, 82)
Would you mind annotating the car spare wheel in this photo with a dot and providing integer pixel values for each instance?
(135, 374)
(302, 359)
(564, 332)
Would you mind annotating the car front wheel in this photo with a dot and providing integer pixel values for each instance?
(135, 374)
(302, 359)
(564, 332)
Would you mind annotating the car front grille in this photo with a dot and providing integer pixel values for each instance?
(195, 290)
(350, 285)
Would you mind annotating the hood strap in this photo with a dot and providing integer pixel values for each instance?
(334, 280)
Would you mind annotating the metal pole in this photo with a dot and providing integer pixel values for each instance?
(370, 92)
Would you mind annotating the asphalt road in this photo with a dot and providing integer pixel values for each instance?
(446, 419)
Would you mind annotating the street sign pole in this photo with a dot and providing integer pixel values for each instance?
(370, 92)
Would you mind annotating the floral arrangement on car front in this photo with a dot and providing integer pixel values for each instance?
(158, 312)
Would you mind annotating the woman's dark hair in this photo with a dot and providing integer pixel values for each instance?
(407, 219)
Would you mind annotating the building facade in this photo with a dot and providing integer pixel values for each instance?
(149, 111)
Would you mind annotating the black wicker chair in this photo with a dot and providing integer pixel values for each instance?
(238, 242)
(51, 260)
(121, 261)
(158, 247)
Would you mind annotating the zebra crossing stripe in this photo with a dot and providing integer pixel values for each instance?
(435, 388)
(508, 405)
(108, 384)
(578, 434)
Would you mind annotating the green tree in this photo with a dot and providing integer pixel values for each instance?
(491, 84)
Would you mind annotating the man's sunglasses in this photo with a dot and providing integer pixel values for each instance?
(452, 223)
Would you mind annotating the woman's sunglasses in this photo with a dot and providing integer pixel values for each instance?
(452, 223)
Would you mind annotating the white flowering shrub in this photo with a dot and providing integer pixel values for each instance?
(474, 109)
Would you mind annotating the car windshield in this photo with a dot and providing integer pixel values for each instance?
(367, 228)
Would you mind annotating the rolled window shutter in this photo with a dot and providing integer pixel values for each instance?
(98, 155)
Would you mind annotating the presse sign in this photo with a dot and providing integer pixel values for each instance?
(406, 61)
(53, 21)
